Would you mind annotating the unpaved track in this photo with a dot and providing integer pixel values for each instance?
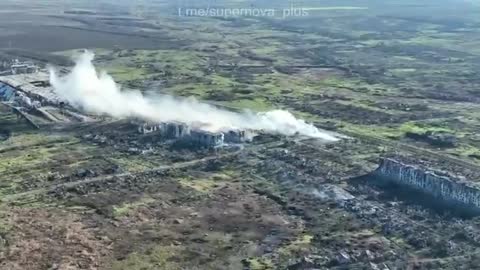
(179, 165)
(376, 140)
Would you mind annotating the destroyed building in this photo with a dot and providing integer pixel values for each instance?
(24, 68)
(238, 136)
(207, 139)
(172, 130)
(16, 67)
(36, 86)
(22, 100)
(7, 93)
(32, 94)
(198, 135)
(17, 98)
(175, 130)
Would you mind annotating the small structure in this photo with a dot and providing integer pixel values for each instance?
(16, 66)
(23, 68)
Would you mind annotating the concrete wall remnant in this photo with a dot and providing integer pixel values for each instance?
(175, 130)
(447, 188)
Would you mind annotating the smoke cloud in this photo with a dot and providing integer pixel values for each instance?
(98, 93)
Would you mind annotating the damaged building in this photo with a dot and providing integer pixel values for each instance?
(172, 130)
(197, 136)
(27, 92)
(35, 85)
(7, 92)
(238, 136)
(32, 95)
(16, 98)
(207, 139)
(16, 67)
(24, 68)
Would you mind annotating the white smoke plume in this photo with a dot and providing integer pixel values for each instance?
(98, 93)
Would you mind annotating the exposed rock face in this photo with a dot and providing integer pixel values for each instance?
(447, 188)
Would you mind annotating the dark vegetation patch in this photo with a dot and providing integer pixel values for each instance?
(47, 243)
(5, 134)
(436, 139)
(362, 115)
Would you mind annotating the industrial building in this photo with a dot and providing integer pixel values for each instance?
(33, 98)
(35, 85)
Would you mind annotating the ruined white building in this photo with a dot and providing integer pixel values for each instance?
(196, 135)
(207, 139)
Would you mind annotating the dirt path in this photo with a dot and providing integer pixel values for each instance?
(179, 165)
(376, 140)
